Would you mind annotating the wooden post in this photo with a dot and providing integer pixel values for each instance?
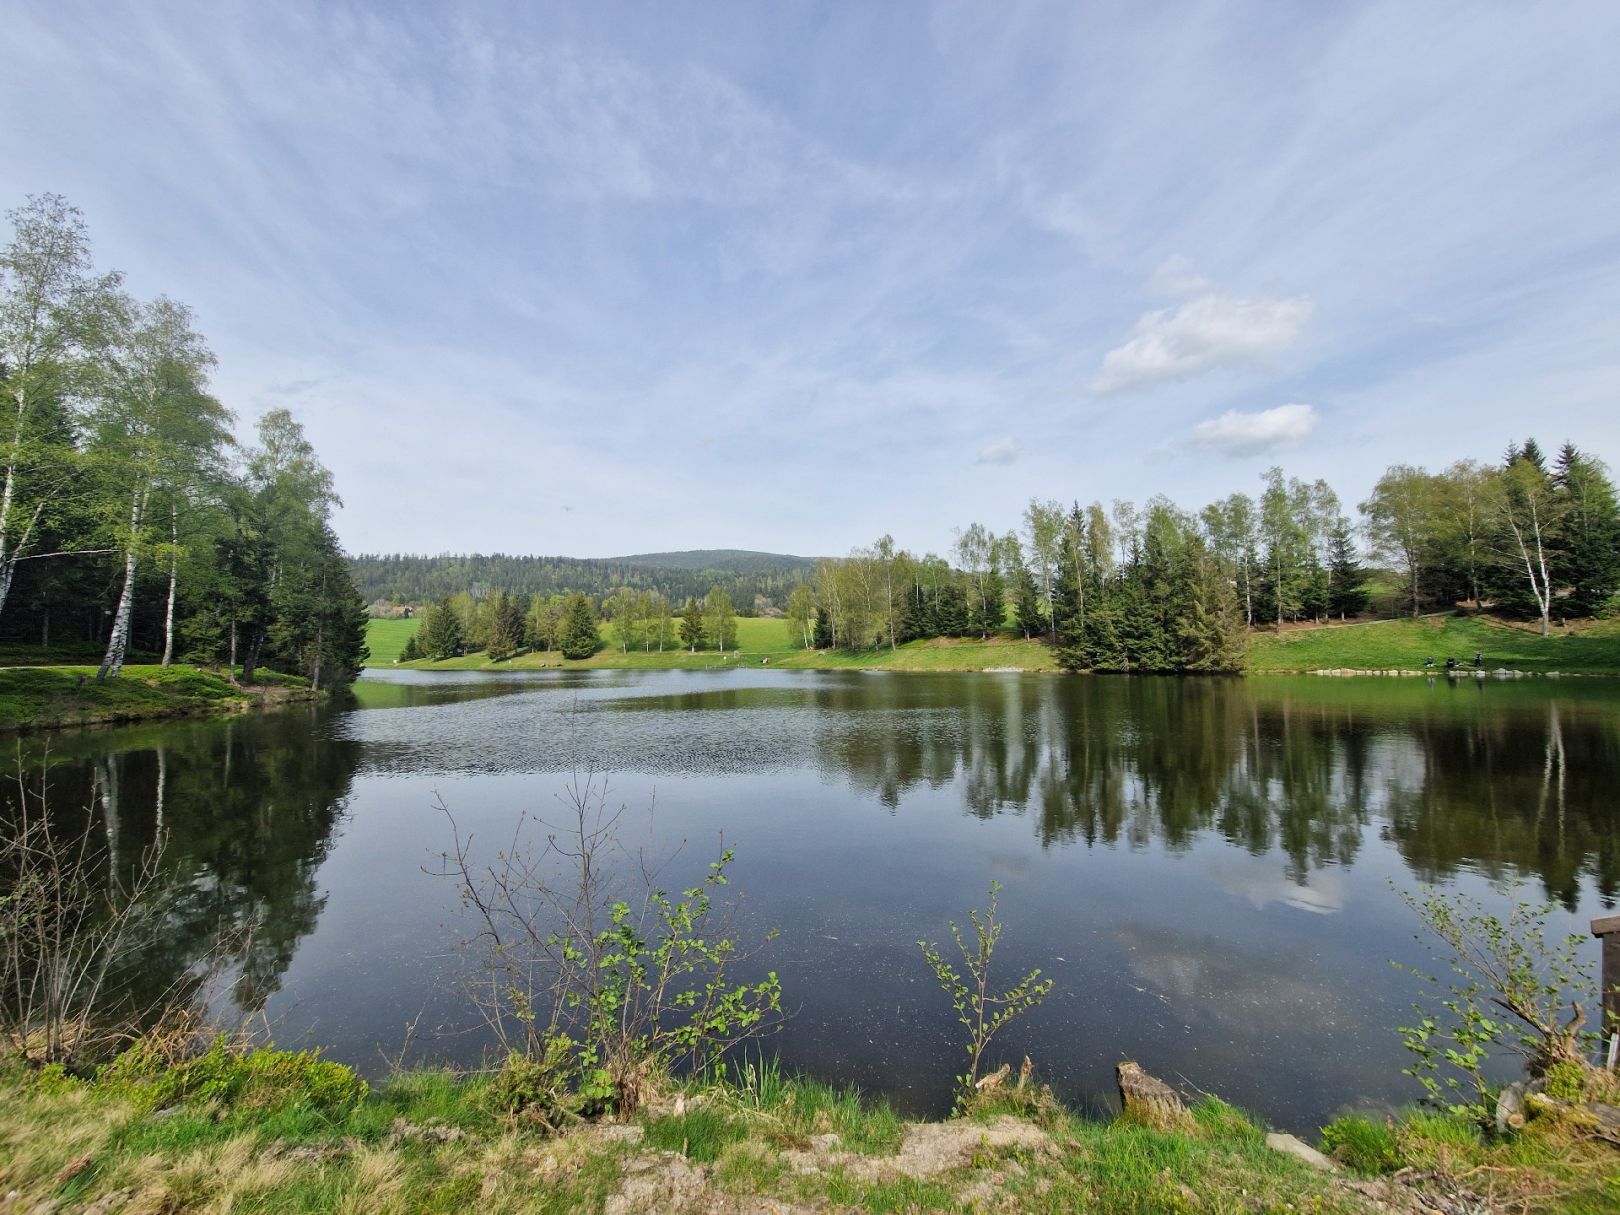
(1607, 930)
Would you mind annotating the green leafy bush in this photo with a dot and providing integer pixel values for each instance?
(1512, 986)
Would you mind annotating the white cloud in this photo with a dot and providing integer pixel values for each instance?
(1236, 433)
(1002, 451)
(1208, 330)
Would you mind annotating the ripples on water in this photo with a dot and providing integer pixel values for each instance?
(1203, 865)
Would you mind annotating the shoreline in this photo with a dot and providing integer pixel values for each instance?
(44, 698)
(302, 1135)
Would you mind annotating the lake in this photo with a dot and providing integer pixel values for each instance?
(1208, 868)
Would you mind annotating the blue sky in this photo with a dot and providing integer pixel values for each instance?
(605, 278)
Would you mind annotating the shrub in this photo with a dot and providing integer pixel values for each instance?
(576, 938)
(981, 1013)
(1510, 987)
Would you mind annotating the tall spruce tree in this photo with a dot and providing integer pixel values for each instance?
(578, 637)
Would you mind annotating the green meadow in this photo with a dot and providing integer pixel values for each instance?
(1399, 644)
(1405, 644)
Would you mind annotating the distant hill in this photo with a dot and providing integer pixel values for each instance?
(409, 578)
(732, 560)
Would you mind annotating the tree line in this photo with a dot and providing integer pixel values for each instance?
(130, 518)
(1146, 588)
(406, 579)
(504, 623)
(1160, 588)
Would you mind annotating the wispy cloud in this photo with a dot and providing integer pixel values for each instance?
(1237, 434)
(1207, 331)
(1002, 451)
(695, 256)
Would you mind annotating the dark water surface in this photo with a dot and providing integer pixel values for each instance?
(1204, 866)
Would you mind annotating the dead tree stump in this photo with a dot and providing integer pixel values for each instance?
(1149, 1101)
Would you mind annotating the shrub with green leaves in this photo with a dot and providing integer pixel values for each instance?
(981, 1013)
(578, 942)
(1512, 987)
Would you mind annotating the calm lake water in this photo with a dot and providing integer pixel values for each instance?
(1204, 866)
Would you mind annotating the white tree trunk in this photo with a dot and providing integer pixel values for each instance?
(174, 574)
(118, 642)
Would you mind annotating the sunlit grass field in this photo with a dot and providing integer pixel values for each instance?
(386, 639)
(1400, 644)
(760, 642)
(1405, 644)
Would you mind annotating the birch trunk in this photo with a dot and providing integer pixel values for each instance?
(174, 574)
(118, 642)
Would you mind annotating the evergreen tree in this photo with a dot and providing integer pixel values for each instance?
(692, 634)
(410, 653)
(505, 627)
(578, 637)
(1027, 601)
(1347, 587)
(441, 633)
(821, 638)
(1587, 544)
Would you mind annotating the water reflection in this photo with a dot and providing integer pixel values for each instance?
(1518, 789)
(248, 811)
(1203, 864)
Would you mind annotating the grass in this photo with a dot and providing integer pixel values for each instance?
(386, 638)
(1404, 644)
(760, 642)
(44, 697)
(429, 1141)
(1589, 647)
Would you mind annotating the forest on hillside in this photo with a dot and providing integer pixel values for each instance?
(132, 523)
(398, 578)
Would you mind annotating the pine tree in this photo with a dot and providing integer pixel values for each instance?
(821, 635)
(692, 625)
(505, 627)
(578, 637)
(410, 653)
(1027, 601)
(1347, 588)
(441, 635)
(1587, 535)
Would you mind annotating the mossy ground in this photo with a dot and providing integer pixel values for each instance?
(430, 1142)
(53, 696)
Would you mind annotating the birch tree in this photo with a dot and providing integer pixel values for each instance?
(1043, 532)
(1403, 524)
(51, 307)
(1524, 511)
(155, 426)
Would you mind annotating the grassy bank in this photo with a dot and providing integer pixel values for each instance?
(1589, 648)
(760, 642)
(1404, 644)
(47, 697)
(282, 1137)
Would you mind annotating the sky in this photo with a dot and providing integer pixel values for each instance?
(603, 278)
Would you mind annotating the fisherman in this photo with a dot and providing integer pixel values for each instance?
(1429, 661)
(1479, 659)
